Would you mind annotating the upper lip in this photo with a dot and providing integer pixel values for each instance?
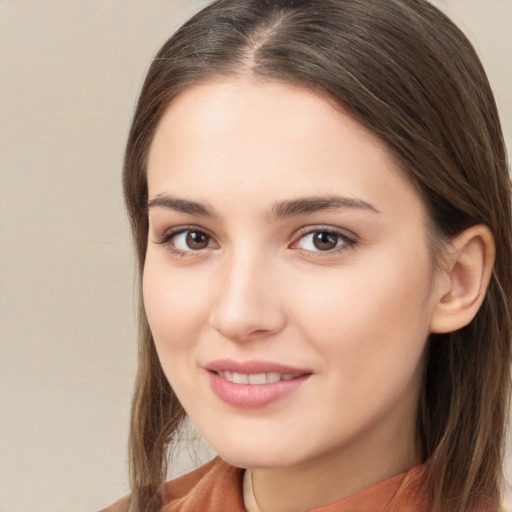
(252, 367)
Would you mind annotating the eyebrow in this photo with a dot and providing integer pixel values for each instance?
(183, 206)
(280, 210)
(305, 205)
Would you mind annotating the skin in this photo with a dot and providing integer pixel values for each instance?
(357, 317)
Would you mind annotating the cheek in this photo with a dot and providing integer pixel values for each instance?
(365, 319)
(175, 305)
(371, 332)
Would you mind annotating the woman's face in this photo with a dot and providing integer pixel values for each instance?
(288, 282)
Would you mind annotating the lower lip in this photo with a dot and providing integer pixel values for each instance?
(252, 396)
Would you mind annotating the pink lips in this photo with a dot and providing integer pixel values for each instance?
(253, 395)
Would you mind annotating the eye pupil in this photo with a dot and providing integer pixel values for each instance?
(325, 241)
(197, 240)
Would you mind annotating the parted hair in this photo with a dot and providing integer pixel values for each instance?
(403, 70)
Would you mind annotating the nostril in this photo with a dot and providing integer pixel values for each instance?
(258, 332)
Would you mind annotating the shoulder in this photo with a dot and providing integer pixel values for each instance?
(216, 487)
(411, 494)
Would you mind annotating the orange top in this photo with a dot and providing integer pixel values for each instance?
(217, 487)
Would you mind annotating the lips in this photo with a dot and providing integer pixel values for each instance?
(253, 384)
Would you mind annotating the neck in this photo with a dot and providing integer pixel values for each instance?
(326, 479)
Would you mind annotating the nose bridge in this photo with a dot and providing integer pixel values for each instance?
(248, 300)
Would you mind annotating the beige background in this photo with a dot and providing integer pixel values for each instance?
(69, 75)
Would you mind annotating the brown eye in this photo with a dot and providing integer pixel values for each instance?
(188, 240)
(324, 241)
(196, 240)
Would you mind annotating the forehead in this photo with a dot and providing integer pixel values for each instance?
(236, 137)
(241, 107)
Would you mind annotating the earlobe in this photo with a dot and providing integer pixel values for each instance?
(466, 275)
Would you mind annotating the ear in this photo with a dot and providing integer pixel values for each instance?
(461, 287)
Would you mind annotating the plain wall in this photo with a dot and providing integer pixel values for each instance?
(70, 72)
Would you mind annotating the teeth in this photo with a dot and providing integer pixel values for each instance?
(273, 377)
(255, 378)
(240, 378)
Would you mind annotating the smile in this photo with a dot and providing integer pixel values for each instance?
(253, 384)
(255, 378)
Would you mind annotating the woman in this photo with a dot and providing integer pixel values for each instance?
(320, 204)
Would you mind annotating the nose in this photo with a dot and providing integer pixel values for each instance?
(248, 304)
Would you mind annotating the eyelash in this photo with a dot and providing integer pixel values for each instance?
(167, 237)
(345, 241)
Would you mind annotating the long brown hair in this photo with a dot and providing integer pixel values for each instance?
(403, 70)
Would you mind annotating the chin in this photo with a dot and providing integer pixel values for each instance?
(255, 454)
(252, 460)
